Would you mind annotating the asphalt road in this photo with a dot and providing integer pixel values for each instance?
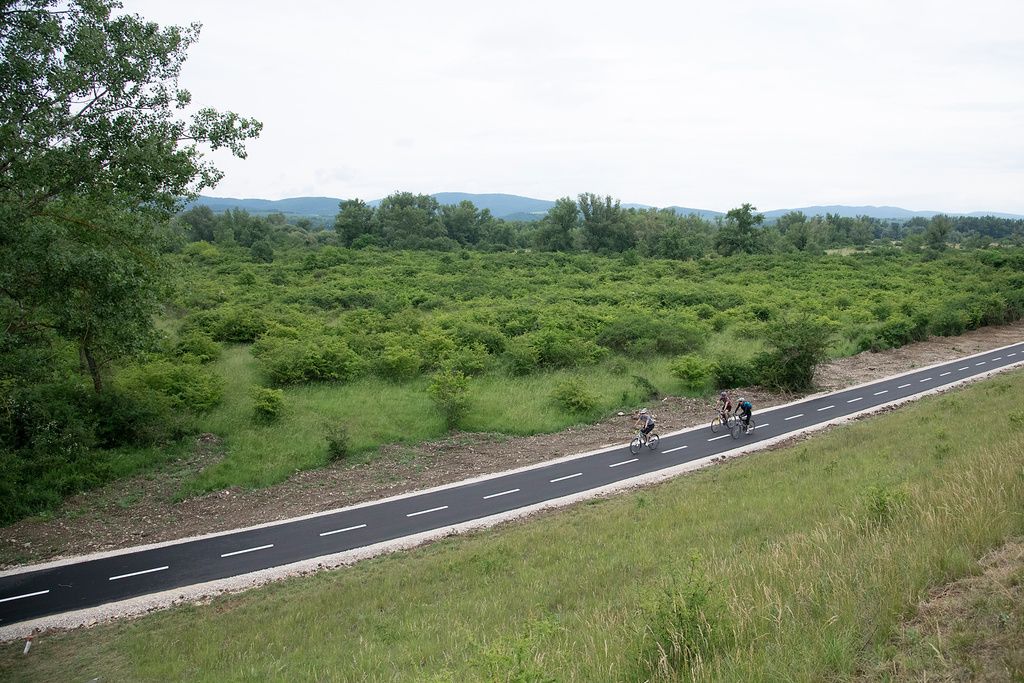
(29, 593)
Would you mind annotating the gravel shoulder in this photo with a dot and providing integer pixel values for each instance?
(137, 511)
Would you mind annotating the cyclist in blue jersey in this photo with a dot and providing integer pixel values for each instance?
(743, 410)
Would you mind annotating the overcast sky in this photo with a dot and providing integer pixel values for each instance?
(916, 104)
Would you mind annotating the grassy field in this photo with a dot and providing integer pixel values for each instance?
(375, 412)
(802, 564)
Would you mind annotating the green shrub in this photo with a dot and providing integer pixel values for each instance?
(574, 396)
(798, 344)
(450, 391)
(684, 625)
(731, 372)
(198, 345)
(187, 385)
(644, 385)
(522, 356)
(337, 442)
(267, 404)
(695, 372)
(314, 358)
(397, 363)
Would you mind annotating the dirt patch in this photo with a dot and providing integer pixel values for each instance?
(137, 511)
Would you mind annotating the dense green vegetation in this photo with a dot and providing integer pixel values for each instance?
(357, 340)
(126, 326)
(801, 564)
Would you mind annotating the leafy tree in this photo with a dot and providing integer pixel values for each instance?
(93, 162)
(557, 228)
(409, 221)
(739, 234)
(462, 222)
(604, 225)
(936, 234)
(354, 220)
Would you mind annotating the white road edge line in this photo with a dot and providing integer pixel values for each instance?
(423, 512)
(26, 595)
(826, 408)
(341, 531)
(794, 417)
(144, 571)
(247, 550)
(677, 448)
(624, 462)
(503, 493)
(578, 474)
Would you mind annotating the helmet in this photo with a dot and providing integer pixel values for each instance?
(742, 400)
(724, 394)
(643, 411)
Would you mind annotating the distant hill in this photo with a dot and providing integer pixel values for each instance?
(514, 207)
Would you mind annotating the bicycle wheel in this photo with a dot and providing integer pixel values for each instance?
(635, 445)
(652, 441)
(737, 428)
(716, 424)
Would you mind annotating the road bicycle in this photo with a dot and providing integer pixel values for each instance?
(738, 427)
(723, 419)
(638, 441)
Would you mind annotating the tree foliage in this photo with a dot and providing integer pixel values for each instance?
(93, 161)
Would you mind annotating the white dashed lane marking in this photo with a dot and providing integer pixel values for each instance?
(424, 512)
(879, 393)
(341, 531)
(624, 462)
(26, 595)
(854, 400)
(578, 474)
(943, 374)
(924, 380)
(144, 571)
(794, 417)
(503, 493)
(825, 408)
(903, 386)
(248, 550)
(677, 448)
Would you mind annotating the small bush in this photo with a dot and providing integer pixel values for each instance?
(199, 346)
(695, 372)
(732, 372)
(574, 395)
(882, 503)
(645, 386)
(186, 385)
(337, 442)
(267, 404)
(684, 627)
(450, 391)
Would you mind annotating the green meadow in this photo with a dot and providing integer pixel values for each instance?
(801, 564)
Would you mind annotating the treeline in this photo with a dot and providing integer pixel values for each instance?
(589, 223)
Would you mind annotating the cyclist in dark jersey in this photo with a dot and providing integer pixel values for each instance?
(724, 405)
